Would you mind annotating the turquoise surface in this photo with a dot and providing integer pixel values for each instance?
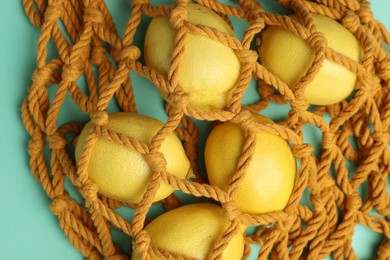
(28, 229)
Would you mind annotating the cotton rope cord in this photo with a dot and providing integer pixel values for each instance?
(299, 231)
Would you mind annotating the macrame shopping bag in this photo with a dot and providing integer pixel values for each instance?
(88, 45)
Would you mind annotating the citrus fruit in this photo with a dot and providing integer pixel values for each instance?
(191, 230)
(123, 174)
(208, 71)
(289, 57)
(270, 177)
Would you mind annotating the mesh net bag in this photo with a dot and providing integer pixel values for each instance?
(92, 47)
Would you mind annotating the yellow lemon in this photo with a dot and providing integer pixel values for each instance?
(208, 71)
(191, 230)
(289, 57)
(123, 174)
(270, 177)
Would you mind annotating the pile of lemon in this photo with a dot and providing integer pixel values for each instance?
(209, 72)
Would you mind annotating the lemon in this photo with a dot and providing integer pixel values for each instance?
(208, 71)
(123, 174)
(191, 230)
(271, 174)
(289, 57)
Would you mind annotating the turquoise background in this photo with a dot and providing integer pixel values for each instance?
(28, 229)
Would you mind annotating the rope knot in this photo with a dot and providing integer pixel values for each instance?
(317, 201)
(244, 119)
(42, 76)
(98, 55)
(99, 118)
(36, 145)
(293, 117)
(59, 204)
(328, 140)
(179, 99)
(302, 150)
(89, 191)
(317, 40)
(247, 56)
(56, 141)
(93, 15)
(141, 242)
(156, 161)
(230, 211)
(350, 21)
(54, 12)
(255, 14)
(353, 202)
(178, 16)
(72, 71)
(285, 225)
(130, 53)
(299, 104)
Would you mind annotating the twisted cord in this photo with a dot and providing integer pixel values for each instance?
(90, 36)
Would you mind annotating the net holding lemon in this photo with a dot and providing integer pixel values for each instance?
(269, 179)
(191, 231)
(208, 71)
(123, 174)
(270, 176)
(289, 57)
